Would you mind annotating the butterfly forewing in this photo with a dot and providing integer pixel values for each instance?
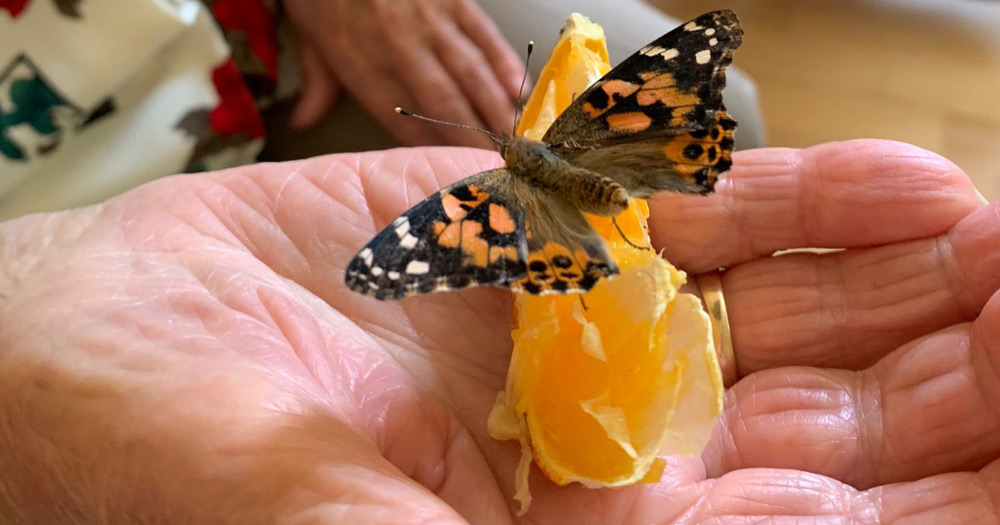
(469, 233)
(491, 228)
(668, 87)
(657, 122)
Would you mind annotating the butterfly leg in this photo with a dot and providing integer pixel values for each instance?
(582, 302)
(627, 241)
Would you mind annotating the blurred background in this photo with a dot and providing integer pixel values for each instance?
(919, 71)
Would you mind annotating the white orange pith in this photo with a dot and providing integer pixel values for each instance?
(596, 395)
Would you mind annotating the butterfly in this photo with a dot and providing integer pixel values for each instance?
(654, 123)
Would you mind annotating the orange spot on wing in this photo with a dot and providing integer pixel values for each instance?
(663, 88)
(634, 121)
(449, 236)
(668, 96)
(612, 88)
(619, 87)
(477, 250)
(500, 219)
(453, 207)
(507, 252)
(656, 81)
(465, 235)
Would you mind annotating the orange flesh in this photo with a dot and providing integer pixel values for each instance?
(595, 395)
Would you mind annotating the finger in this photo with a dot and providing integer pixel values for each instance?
(783, 496)
(432, 88)
(506, 64)
(848, 309)
(319, 87)
(380, 93)
(368, 74)
(777, 496)
(960, 497)
(468, 67)
(926, 409)
(435, 92)
(838, 195)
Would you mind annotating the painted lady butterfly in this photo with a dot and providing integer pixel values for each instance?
(654, 123)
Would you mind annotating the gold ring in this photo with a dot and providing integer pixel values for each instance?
(711, 292)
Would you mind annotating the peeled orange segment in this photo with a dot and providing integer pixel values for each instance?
(596, 393)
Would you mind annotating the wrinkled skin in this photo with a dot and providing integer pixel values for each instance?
(187, 353)
(442, 58)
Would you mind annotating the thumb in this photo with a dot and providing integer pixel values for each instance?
(320, 87)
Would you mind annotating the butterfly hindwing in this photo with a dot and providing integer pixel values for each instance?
(669, 87)
(472, 232)
(685, 163)
(565, 254)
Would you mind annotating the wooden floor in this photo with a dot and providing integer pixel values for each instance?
(925, 72)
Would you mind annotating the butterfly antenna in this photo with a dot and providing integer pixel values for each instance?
(520, 90)
(405, 113)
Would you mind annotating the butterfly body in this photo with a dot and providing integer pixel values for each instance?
(654, 123)
(533, 162)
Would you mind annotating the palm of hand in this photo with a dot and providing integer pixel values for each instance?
(188, 353)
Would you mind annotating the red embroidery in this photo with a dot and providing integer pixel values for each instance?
(14, 7)
(256, 20)
(236, 111)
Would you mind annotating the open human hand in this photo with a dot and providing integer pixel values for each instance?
(188, 353)
(442, 58)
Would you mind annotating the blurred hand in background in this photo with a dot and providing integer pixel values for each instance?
(441, 58)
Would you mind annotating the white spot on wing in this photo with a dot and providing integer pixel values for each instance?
(703, 56)
(400, 220)
(713, 41)
(652, 51)
(710, 31)
(392, 275)
(417, 268)
(376, 270)
(408, 241)
(669, 54)
(366, 256)
(402, 227)
(691, 26)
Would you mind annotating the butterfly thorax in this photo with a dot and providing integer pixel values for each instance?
(535, 163)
